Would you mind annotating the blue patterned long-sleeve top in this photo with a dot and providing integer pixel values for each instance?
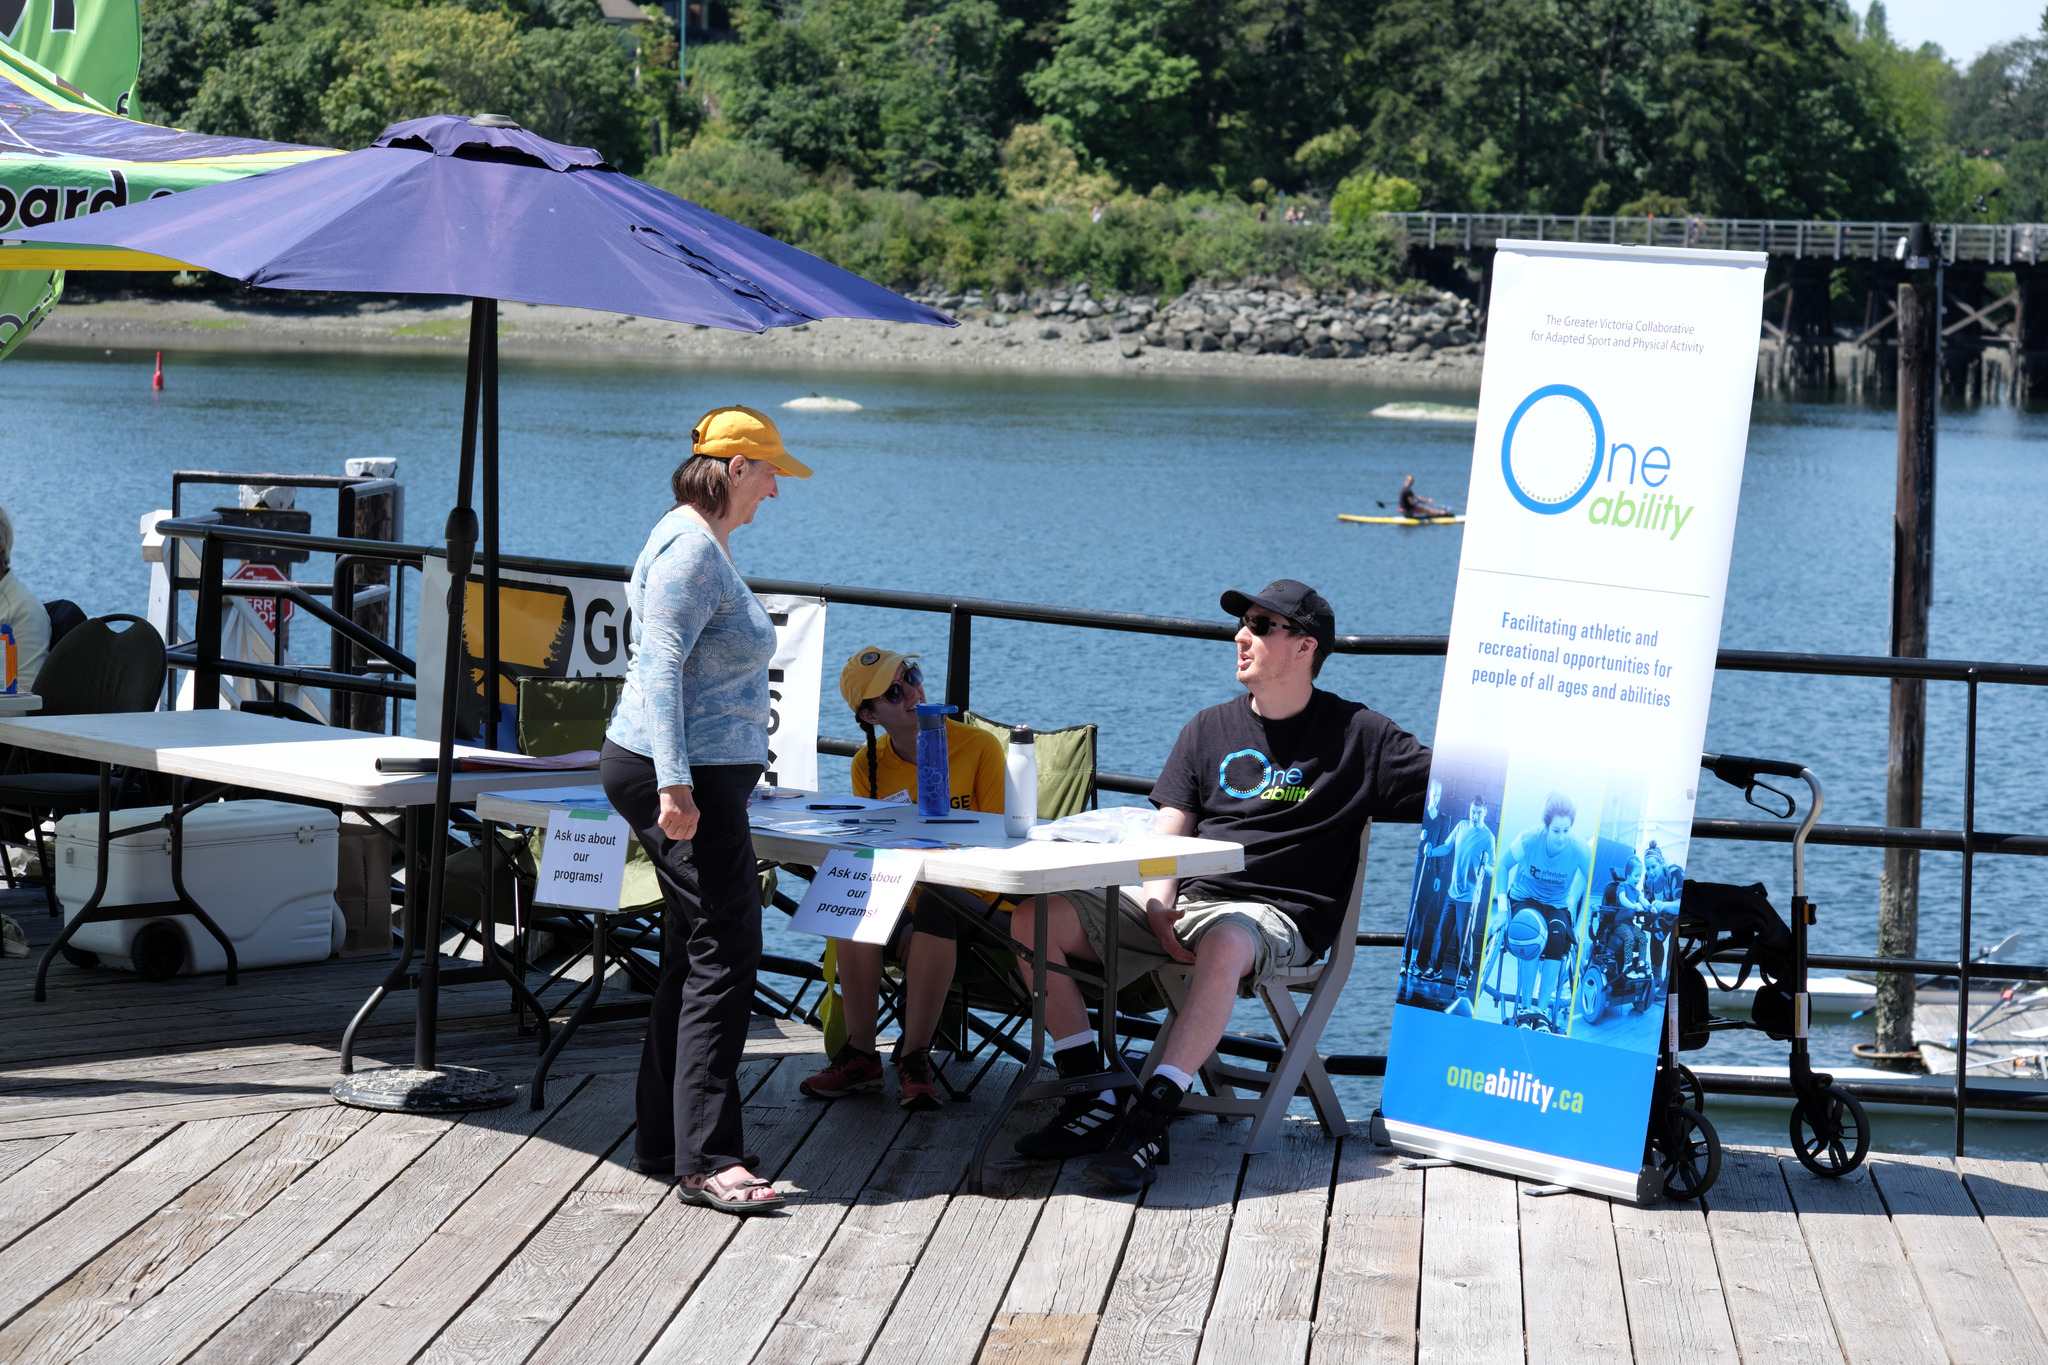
(697, 688)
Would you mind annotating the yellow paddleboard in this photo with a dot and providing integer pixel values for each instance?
(1401, 521)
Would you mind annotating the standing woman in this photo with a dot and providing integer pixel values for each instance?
(685, 746)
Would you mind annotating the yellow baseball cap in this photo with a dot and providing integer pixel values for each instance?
(725, 432)
(868, 673)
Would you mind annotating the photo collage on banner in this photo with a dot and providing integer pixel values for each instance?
(1614, 413)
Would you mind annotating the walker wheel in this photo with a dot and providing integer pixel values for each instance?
(1690, 1093)
(1692, 1153)
(1830, 1132)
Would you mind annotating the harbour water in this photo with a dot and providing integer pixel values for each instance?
(1154, 496)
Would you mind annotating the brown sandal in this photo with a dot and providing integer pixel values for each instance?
(705, 1196)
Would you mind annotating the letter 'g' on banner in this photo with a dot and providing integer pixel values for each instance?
(560, 627)
(1613, 416)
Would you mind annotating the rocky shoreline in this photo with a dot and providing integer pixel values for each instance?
(1411, 342)
(1251, 317)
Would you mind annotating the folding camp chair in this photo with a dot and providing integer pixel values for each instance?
(985, 979)
(1300, 1067)
(92, 670)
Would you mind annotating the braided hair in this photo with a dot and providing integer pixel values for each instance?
(867, 728)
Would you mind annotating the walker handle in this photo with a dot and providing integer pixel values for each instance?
(1742, 772)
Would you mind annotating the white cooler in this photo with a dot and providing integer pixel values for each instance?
(264, 870)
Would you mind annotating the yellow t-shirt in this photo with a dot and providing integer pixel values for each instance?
(974, 763)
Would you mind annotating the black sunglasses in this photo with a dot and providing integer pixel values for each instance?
(913, 676)
(1260, 625)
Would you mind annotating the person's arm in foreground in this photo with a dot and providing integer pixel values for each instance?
(678, 610)
(1160, 895)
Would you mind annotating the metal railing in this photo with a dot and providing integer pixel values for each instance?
(1982, 243)
(962, 612)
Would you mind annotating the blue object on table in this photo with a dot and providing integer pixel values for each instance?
(934, 771)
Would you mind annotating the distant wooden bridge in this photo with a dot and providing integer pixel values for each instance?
(1994, 346)
(1989, 244)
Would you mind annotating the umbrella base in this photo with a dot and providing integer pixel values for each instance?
(408, 1090)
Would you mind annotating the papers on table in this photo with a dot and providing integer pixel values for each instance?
(561, 798)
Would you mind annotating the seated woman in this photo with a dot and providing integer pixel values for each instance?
(884, 689)
(23, 613)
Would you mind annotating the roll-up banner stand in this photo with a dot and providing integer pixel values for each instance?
(1613, 414)
(559, 627)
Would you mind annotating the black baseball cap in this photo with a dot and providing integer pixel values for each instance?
(1295, 603)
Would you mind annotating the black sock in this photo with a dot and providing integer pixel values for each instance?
(1162, 1096)
(1084, 1060)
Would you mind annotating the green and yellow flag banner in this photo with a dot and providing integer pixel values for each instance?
(95, 46)
(64, 153)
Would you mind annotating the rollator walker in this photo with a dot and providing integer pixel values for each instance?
(1830, 1132)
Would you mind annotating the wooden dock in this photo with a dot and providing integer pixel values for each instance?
(175, 1186)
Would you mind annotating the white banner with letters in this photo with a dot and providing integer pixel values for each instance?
(580, 627)
(1613, 418)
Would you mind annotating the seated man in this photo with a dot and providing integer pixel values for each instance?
(23, 613)
(1291, 772)
(1413, 504)
(884, 689)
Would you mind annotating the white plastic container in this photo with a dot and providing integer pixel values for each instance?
(1020, 783)
(264, 870)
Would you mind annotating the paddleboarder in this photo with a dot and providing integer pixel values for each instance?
(1413, 504)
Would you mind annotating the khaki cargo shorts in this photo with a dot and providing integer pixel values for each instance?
(1278, 943)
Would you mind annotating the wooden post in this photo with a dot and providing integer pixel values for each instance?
(374, 521)
(1898, 906)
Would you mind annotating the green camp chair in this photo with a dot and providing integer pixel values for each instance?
(985, 979)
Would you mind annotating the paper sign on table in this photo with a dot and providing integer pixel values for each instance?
(858, 894)
(583, 860)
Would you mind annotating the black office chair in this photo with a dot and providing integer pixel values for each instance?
(93, 670)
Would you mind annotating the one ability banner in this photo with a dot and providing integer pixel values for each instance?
(1613, 415)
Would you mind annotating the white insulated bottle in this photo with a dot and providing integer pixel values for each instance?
(1020, 782)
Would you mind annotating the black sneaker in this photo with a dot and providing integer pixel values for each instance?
(1135, 1152)
(1081, 1128)
(1083, 1123)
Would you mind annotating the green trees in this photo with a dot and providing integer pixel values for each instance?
(977, 139)
(338, 71)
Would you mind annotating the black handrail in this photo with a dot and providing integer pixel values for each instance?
(962, 611)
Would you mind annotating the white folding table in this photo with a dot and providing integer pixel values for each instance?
(268, 753)
(986, 860)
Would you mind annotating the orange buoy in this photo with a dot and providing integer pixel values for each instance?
(158, 382)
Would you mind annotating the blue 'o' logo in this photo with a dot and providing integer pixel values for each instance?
(1551, 453)
(1245, 793)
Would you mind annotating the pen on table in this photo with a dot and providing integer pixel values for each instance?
(950, 820)
(817, 806)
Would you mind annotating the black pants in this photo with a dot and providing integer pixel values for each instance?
(688, 1103)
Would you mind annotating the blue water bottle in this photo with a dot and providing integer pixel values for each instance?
(934, 772)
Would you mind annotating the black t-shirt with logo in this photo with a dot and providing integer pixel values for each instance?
(1295, 793)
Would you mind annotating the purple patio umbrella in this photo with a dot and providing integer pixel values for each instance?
(483, 208)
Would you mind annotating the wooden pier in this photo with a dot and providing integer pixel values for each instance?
(175, 1186)
(1994, 341)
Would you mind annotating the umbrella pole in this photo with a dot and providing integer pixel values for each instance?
(425, 1088)
(493, 669)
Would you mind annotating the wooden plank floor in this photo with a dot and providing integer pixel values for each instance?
(176, 1186)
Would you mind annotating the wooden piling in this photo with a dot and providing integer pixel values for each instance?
(1898, 911)
(375, 520)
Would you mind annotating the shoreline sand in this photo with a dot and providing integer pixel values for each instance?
(376, 326)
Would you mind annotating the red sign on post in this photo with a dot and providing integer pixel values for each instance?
(265, 607)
